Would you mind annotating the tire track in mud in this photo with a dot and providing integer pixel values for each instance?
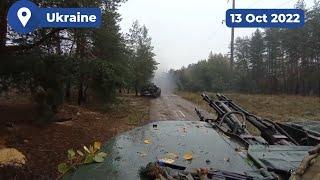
(170, 107)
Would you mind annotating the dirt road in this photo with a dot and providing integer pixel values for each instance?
(172, 107)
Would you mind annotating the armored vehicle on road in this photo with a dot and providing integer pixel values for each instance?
(150, 90)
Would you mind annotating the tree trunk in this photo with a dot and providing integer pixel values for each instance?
(319, 87)
(136, 90)
(68, 89)
(85, 94)
(80, 92)
(80, 54)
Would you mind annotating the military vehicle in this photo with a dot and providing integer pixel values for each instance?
(150, 90)
(221, 148)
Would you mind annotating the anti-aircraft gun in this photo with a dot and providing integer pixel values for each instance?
(271, 133)
(277, 147)
(222, 148)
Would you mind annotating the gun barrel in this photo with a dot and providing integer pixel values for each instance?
(221, 109)
(269, 130)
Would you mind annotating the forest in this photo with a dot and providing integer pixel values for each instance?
(57, 65)
(270, 61)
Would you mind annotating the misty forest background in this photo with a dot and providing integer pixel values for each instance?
(55, 65)
(270, 61)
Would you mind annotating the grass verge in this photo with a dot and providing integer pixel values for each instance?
(275, 107)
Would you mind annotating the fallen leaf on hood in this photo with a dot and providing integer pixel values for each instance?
(187, 156)
(143, 154)
(184, 130)
(171, 156)
(147, 141)
(167, 160)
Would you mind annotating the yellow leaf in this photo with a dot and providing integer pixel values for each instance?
(171, 156)
(187, 156)
(147, 141)
(143, 154)
(86, 149)
(80, 153)
(91, 149)
(97, 145)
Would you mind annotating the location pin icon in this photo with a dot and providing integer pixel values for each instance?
(24, 15)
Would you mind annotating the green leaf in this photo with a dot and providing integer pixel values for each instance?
(71, 154)
(100, 157)
(63, 168)
(89, 159)
(102, 154)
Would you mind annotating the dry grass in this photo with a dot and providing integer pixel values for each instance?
(274, 107)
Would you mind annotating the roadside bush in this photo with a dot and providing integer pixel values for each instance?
(42, 77)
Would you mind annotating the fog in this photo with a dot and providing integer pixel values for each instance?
(165, 81)
(185, 31)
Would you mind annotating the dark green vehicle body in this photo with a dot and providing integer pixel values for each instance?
(127, 152)
(150, 90)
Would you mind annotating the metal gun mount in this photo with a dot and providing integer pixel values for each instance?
(271, 133)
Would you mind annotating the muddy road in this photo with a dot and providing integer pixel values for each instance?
(172, 107)
(169, 106)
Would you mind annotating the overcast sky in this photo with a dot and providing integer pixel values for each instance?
(185, 31)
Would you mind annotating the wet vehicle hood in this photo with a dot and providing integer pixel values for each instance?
(310, 126)
(128, 152)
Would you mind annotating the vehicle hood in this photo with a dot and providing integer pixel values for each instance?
(128, 152)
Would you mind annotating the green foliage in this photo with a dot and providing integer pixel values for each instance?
(90, 155)
(99, 157)
(50, 64)
(141, 56)
(270, 61)
(212, 74)
(63, 168)
(42, 76)
(71, 154)
(103, 79)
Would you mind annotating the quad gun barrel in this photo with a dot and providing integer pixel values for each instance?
(231, 119)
